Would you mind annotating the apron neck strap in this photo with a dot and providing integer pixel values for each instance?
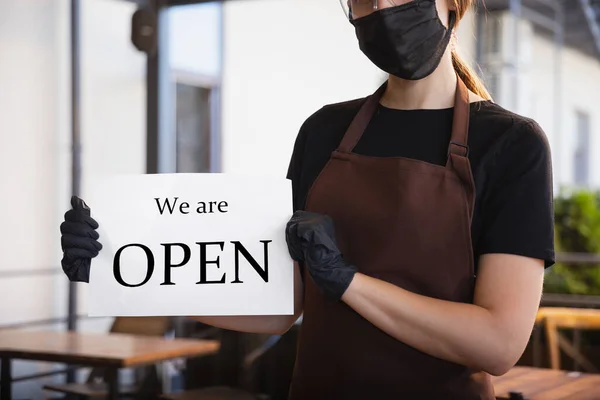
(360, 121)
(458, 151)
(460, 121)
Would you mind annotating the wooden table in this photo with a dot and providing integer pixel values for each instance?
(111, 351)
(547, 384)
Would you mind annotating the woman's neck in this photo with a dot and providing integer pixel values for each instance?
(433, 92)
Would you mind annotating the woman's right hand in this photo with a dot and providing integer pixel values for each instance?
(79, 241)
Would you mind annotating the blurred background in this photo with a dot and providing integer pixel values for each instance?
(87, 89)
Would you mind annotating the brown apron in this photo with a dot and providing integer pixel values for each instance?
(407, 222)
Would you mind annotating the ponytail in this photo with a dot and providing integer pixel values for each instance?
(463, 70)
(469, 76)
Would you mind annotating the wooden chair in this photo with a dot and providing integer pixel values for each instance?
(146, 378)
(556, 318)
(248, 385)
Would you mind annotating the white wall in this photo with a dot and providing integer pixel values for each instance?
(28, 165)
(113, 96)
(283, 60)
(195, 39)
(35, 142)
(35, 129)
(35, 134)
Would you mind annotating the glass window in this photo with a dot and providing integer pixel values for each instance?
(581, 158)
(193, 128)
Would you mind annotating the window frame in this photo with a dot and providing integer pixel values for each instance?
(212, 84)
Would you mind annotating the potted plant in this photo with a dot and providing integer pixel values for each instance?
(577, 230)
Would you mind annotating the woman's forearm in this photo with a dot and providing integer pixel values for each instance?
(462, 333)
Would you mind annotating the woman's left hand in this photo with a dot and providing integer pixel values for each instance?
(311, 239)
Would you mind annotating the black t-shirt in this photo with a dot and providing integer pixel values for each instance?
(509, 155)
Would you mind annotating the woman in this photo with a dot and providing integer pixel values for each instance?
(424, 219)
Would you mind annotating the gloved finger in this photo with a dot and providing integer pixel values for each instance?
(298, 215)
(80, 212)
(314, 228)
(74, 241)
(291, 227)
(77, 215)
(78, 204)
(318, 255)
(293, 242)
(76, 253)
(321, 232)
(78, 229)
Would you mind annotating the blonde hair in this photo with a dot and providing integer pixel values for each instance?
(462, 68)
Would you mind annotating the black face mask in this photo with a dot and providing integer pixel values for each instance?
(407, 41)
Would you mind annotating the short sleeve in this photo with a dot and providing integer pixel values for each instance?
(294, 172)
(518, 208)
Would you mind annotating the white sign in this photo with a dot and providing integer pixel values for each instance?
(191, 244)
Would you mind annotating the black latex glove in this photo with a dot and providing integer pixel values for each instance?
(294, 242)
(79, 241)
(311, 239)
